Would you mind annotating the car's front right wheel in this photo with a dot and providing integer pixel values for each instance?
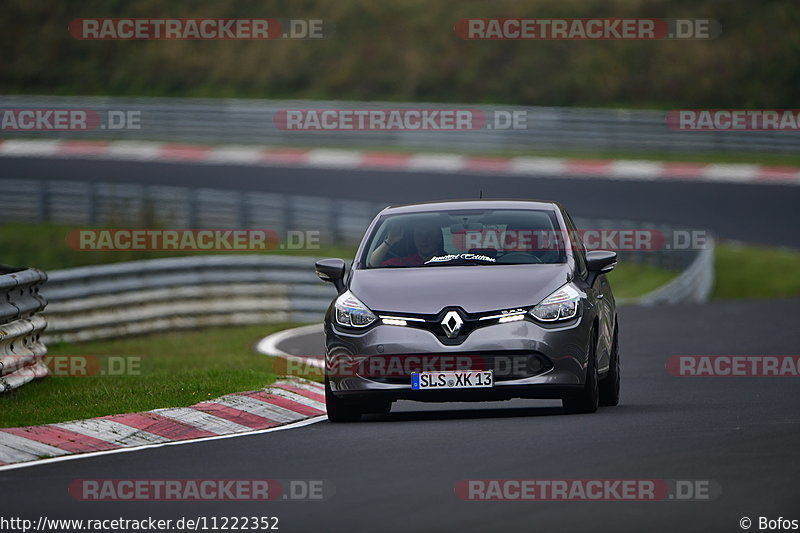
(339, 410)
(609, 387)
(589, 397)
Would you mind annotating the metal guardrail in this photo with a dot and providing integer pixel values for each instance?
(187, 292)
(21, 348)
(132, 205)
(694, 284)
(251, 122)
(190, 292)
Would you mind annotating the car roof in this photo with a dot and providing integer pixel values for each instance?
(454, 205)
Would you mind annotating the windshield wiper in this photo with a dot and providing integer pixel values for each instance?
(466, 259)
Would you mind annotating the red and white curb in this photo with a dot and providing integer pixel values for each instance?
(368, 160)
(283, 405)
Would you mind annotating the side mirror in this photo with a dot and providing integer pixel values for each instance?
(600, 261)
(332, 271)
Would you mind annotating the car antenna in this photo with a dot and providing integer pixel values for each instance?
(480, 194)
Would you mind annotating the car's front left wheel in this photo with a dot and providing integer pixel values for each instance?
(339, 410)
(609, 386)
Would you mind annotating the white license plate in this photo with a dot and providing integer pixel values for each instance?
(464, 379)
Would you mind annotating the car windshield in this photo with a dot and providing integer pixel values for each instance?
(476, 238)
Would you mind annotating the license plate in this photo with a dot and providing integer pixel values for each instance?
(465, 379)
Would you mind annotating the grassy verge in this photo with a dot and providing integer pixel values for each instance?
(45, 246)
(745, 271)
(631, 280)
(177, 369)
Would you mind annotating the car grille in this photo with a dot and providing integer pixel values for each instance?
(506, 365)
(433, 323)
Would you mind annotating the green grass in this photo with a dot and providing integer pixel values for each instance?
(44, 246)
(177, 369)
(756, 272)
(632, 280)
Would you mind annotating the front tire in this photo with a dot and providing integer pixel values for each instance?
(589, 397)
(338, 410)
(609, 387)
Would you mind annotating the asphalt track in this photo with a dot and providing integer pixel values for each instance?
(397, 472)
(747, 212)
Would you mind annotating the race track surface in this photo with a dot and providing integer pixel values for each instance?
(748, 212)
(397, 472)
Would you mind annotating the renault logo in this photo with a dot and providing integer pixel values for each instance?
(452, 324)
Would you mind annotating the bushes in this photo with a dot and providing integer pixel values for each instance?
(409, 51)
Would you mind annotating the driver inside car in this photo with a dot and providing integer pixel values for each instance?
(428, 242)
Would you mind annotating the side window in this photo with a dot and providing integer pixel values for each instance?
(577, 246)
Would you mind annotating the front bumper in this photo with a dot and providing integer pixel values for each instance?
(548, 361)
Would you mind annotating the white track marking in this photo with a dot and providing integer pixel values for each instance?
(73, 457)
(293, 396)
(537, 165)
(259, 408)
(202, 420)
(110, 431)
(21, 449)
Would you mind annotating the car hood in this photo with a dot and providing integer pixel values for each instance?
(476, 289)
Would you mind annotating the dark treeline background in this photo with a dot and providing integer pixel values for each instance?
(408, 50)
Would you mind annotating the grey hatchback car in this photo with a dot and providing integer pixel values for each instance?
(474, 300)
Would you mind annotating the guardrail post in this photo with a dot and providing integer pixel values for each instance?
(91, 200)
(333, 221)
(191, 208)
(243, 212)
(44, 202)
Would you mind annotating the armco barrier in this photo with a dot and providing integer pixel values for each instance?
(187, 292)
(214, 121)
(21, 348)
(694, 284)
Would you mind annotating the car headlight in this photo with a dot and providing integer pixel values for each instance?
(351, 312)
(561, 305)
